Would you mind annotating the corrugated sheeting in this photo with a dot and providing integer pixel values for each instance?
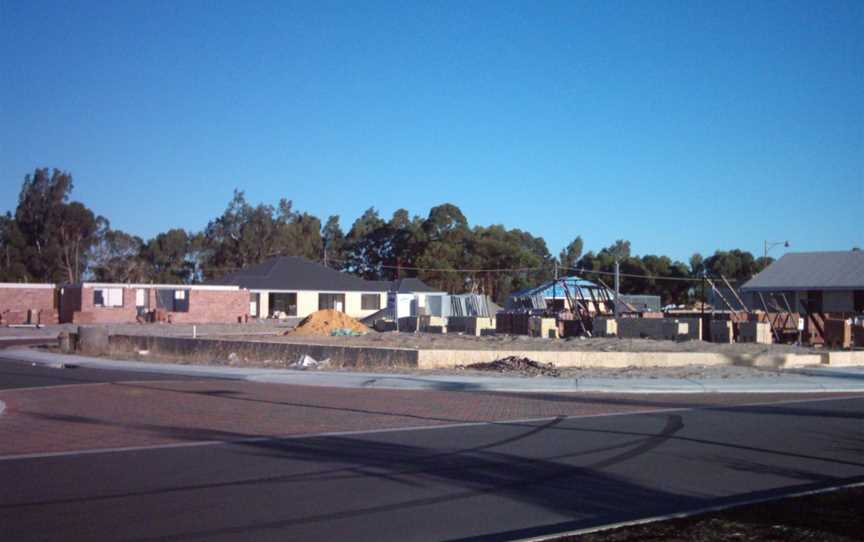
(461, 305)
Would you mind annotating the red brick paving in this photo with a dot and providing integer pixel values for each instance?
(109, 415)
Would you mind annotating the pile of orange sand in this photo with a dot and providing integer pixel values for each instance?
(325, 322)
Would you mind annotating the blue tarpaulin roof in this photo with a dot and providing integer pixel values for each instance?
(554, 289)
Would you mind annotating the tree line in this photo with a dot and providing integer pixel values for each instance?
(50, 238)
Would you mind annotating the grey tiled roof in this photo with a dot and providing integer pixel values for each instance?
(411, 285)
(812, 271)
(295, 273)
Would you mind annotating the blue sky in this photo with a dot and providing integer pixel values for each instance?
(681, 126)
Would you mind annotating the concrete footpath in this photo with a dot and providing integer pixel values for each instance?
(809, 380)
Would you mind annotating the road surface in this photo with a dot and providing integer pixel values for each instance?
(132, 457)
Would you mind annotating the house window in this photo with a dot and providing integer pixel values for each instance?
(181, 300)
(370, 302)
(858, 301)
(172, 300)
(108, 297)
(282, 302)
(331, 301)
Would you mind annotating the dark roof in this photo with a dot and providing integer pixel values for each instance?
(295, 273)
(812, 271)
(411, 285)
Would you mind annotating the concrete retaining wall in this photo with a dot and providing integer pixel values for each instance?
(370, 357)
(347, 356)
(846, 358)
(435, 359)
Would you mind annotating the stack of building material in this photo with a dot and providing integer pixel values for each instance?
(858, 335)
(755, 332)
(838, 333)
(512, 323)
(673, 330)
(543, 327)
(722, 332)
(571, 328)
(432, 324)
(603, 327)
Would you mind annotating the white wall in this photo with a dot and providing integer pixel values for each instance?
(307, 302)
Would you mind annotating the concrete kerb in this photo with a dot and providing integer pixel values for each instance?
(801, 383)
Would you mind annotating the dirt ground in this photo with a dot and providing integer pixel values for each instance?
(829, 517)
(525, 343)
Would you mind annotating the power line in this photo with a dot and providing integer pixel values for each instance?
(582, 270)
(455, 270)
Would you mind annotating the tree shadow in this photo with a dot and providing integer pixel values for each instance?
(552, 483)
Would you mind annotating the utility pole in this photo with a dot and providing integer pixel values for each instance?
(617, 285)
(555, 285)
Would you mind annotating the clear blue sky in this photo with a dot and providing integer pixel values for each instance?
(681, 126)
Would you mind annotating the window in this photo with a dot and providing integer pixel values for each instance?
(283, 302)
(858, 301)
(254, 302)
(172, 300)
(108, 297)
(181, 300)
(370, 302)
(331, 301)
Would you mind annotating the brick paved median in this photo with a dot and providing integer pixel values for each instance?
(109, 415)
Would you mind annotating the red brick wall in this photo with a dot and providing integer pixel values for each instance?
(205, 306)
(16, 304)
(87, 313)
(214, 307)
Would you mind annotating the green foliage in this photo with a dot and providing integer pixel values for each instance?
(245, 235)
(569, 257)
(51, 239)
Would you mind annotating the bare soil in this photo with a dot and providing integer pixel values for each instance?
(829, 517)
(393, 339)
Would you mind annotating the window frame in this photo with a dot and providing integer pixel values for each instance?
(370, 297)
(108, 296)
(334, 298)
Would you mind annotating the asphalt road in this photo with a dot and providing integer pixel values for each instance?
(494, 481)
(17, 374)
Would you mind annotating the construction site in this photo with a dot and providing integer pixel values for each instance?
(805, 309)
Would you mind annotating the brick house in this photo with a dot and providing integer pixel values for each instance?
(28, 303)
(105, 303)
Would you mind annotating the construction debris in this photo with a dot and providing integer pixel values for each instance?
(326, 322)
(515, 364)
(308, 362)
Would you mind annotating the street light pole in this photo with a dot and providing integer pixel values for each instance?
(768, 245)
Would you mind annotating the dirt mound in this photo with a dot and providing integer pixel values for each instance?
(326, 322)
(517, 365)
